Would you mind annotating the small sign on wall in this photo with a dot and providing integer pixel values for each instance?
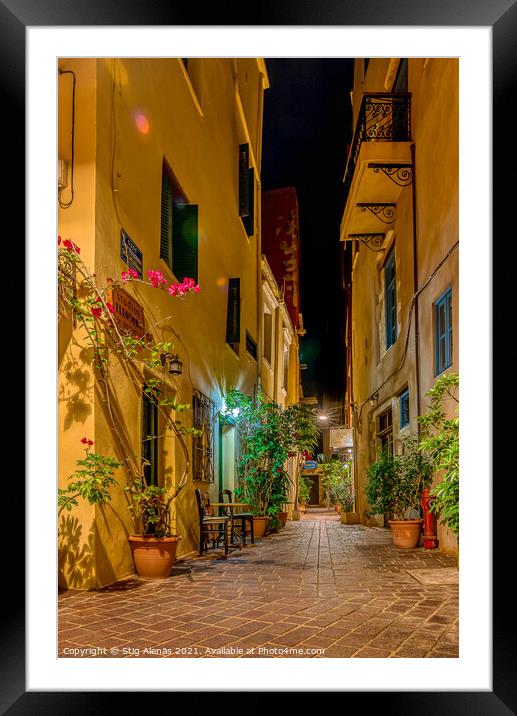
(129, 314)
(131, 254)
(341, 438)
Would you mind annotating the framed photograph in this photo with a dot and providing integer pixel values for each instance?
(473, 673)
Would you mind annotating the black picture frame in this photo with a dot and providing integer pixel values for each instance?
(501, 16)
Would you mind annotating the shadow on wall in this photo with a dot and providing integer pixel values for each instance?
(187, 520)
(78, 391)
(76, 565)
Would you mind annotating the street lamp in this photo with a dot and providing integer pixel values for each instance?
(175, 365)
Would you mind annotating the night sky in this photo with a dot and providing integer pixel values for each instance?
(307, 125)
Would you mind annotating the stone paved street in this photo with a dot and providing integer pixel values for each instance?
(320, 587)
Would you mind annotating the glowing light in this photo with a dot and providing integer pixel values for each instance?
(323, 417)
(221, 282)
(142, 123)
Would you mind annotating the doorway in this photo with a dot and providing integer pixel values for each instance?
(314, 499)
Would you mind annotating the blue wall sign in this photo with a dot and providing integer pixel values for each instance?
(131, 254)
(310, 464)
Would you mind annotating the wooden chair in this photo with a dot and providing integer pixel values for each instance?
(241, 518)
(211, 528)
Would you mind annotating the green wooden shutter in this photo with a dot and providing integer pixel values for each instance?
(166, 220)
(249, 221)
(233, 315)
(244, 185)
(184, 241)
(150, 447)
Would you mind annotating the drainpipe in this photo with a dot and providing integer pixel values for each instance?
(260, 308)
(415, 283)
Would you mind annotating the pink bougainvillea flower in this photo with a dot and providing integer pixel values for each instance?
(128, 275)
(156, 278)
(110, 308)
(186, 286)
(85, 441)
(71, 246)
(97, 312)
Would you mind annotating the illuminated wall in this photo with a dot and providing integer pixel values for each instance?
(131, 116)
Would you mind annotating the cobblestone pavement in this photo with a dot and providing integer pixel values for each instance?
(316, 589)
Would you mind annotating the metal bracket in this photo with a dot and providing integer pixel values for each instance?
(400, 174)
(369, 240)
(384, 212)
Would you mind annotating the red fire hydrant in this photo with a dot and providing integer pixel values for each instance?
(430, 538)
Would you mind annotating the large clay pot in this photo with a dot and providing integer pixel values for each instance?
(405, 533)
(259, 527)
(282, 516)
(153, 556)
(296, 515)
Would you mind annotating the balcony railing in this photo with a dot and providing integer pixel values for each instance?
(382, 118)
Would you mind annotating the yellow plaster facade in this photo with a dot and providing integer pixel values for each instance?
(378, 374)
(131, 116)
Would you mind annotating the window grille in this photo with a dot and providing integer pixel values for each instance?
(203, 409)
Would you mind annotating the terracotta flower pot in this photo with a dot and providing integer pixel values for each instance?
(259, 527)
(405, 533)
(153, 556)
(282, 516)
(296, 515)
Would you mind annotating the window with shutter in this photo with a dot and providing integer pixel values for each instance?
(150, 438)
(249, 221)
(443, 332)
(390, 287)
(166, 220)
(184, 241)
(178, 229)
(233, 315)
(244, 186)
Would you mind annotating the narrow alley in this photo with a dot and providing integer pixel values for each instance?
(317, 589)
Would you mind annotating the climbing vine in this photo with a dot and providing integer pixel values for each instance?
(92, 310)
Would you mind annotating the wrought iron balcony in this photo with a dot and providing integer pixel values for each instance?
(382, 118)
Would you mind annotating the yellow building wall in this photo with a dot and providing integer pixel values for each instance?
(125, 173)
(434, 121)
(76, 402)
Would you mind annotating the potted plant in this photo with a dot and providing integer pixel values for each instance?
(304, 492)
(440, 443)
(394, 488)
(139, 354)
(342, 495)
(333, 473)
(154, 551)
(270, 435)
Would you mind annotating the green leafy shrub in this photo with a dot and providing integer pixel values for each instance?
(150, 504)
(270, 434)
(333, 473)
(91, 481)
(440, 442)
(395, 483)
(304, 489)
